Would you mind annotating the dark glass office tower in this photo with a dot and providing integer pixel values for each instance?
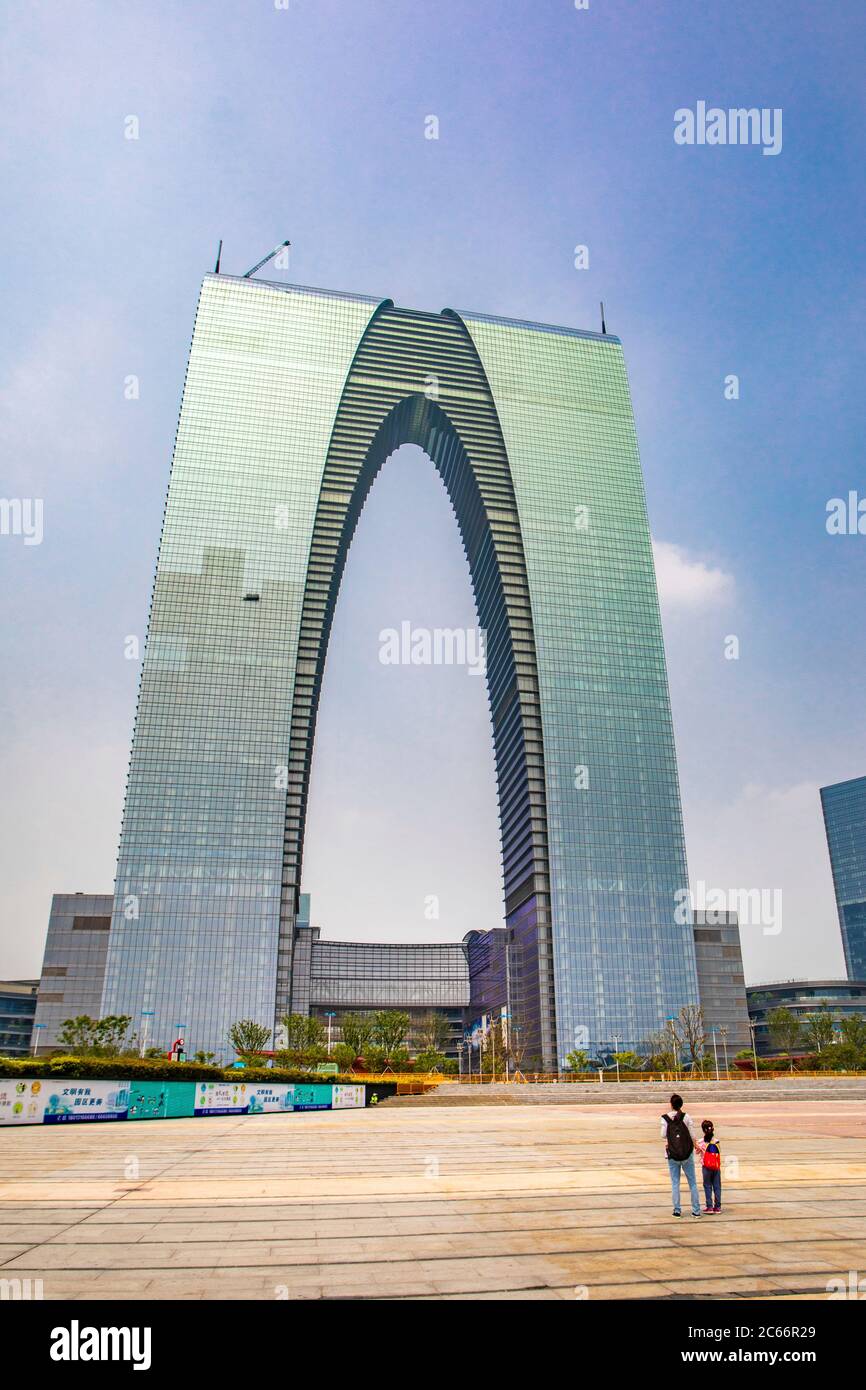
(844, 806)
(293, 400)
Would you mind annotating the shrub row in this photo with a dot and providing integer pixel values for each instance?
(135, 1069)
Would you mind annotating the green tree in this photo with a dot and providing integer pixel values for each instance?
(688, 1029)
(343, 1055)
(430, 1060)
(432, 1032)
(658, 1051)
(390, 1027)
(628, 1061)
(785, 1029)
(853, 1029)
(199, 1056)
(248, 1037)
(843, 1057)
(578, 1060)
(375, 1057)
(303, 1034)
(818, 1029)
(357, 1032)
(84, 1036)
(378, 1059)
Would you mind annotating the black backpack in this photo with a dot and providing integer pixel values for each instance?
(680, 1144)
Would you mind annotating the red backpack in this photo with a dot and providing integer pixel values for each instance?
(712, 1157)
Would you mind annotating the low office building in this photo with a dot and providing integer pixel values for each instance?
(840, 998)
(339, 977)
(73, 969)
(721, 981)
(485, 979)
(17, 1011)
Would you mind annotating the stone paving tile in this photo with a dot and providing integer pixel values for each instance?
(506, 1296)
(10, 1253)
(12, 1233)
(530, 1203)
(565, 1294)
(752, 1285)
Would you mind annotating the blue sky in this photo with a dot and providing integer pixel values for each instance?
(555, 129)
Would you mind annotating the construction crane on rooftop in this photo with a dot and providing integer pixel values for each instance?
(269, 257)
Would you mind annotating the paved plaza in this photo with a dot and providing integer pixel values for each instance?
(472, 1201)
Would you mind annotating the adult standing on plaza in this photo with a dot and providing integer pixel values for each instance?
(678, 1132)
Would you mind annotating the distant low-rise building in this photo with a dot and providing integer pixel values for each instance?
(472, 984)
(841, 998)
(17, 1011)
(73, 969)
(340, 977)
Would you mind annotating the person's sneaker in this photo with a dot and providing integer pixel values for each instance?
(697, 1213)
(717, 1211)
(677, 1213)
(709, 1210)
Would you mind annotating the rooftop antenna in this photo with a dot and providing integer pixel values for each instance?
(269, 257)
(603, 328)
(216, 269)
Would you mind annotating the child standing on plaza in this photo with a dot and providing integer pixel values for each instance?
(711, 1170)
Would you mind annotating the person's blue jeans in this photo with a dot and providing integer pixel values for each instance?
(687, 1166)
(712, 1187)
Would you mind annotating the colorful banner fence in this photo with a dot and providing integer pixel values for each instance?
(68, 1101)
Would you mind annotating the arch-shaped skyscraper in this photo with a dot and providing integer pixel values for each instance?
(293, 400)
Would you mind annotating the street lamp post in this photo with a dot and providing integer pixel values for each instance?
(515, 1033)
(674, 1047)
(616, 1055)
(506, 1021)
(724, 1032)
(329, 1016)
(147, 1015)
(505, 1043)
(716, 1054)
(754, 1047)
(36, 1026)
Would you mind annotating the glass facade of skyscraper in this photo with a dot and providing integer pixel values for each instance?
(844, 806)
(293, 400)
(622, 963)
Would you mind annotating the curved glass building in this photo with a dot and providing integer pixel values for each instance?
(293, 400)
(844, 808)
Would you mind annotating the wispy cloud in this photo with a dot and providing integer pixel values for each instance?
(689, 583)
